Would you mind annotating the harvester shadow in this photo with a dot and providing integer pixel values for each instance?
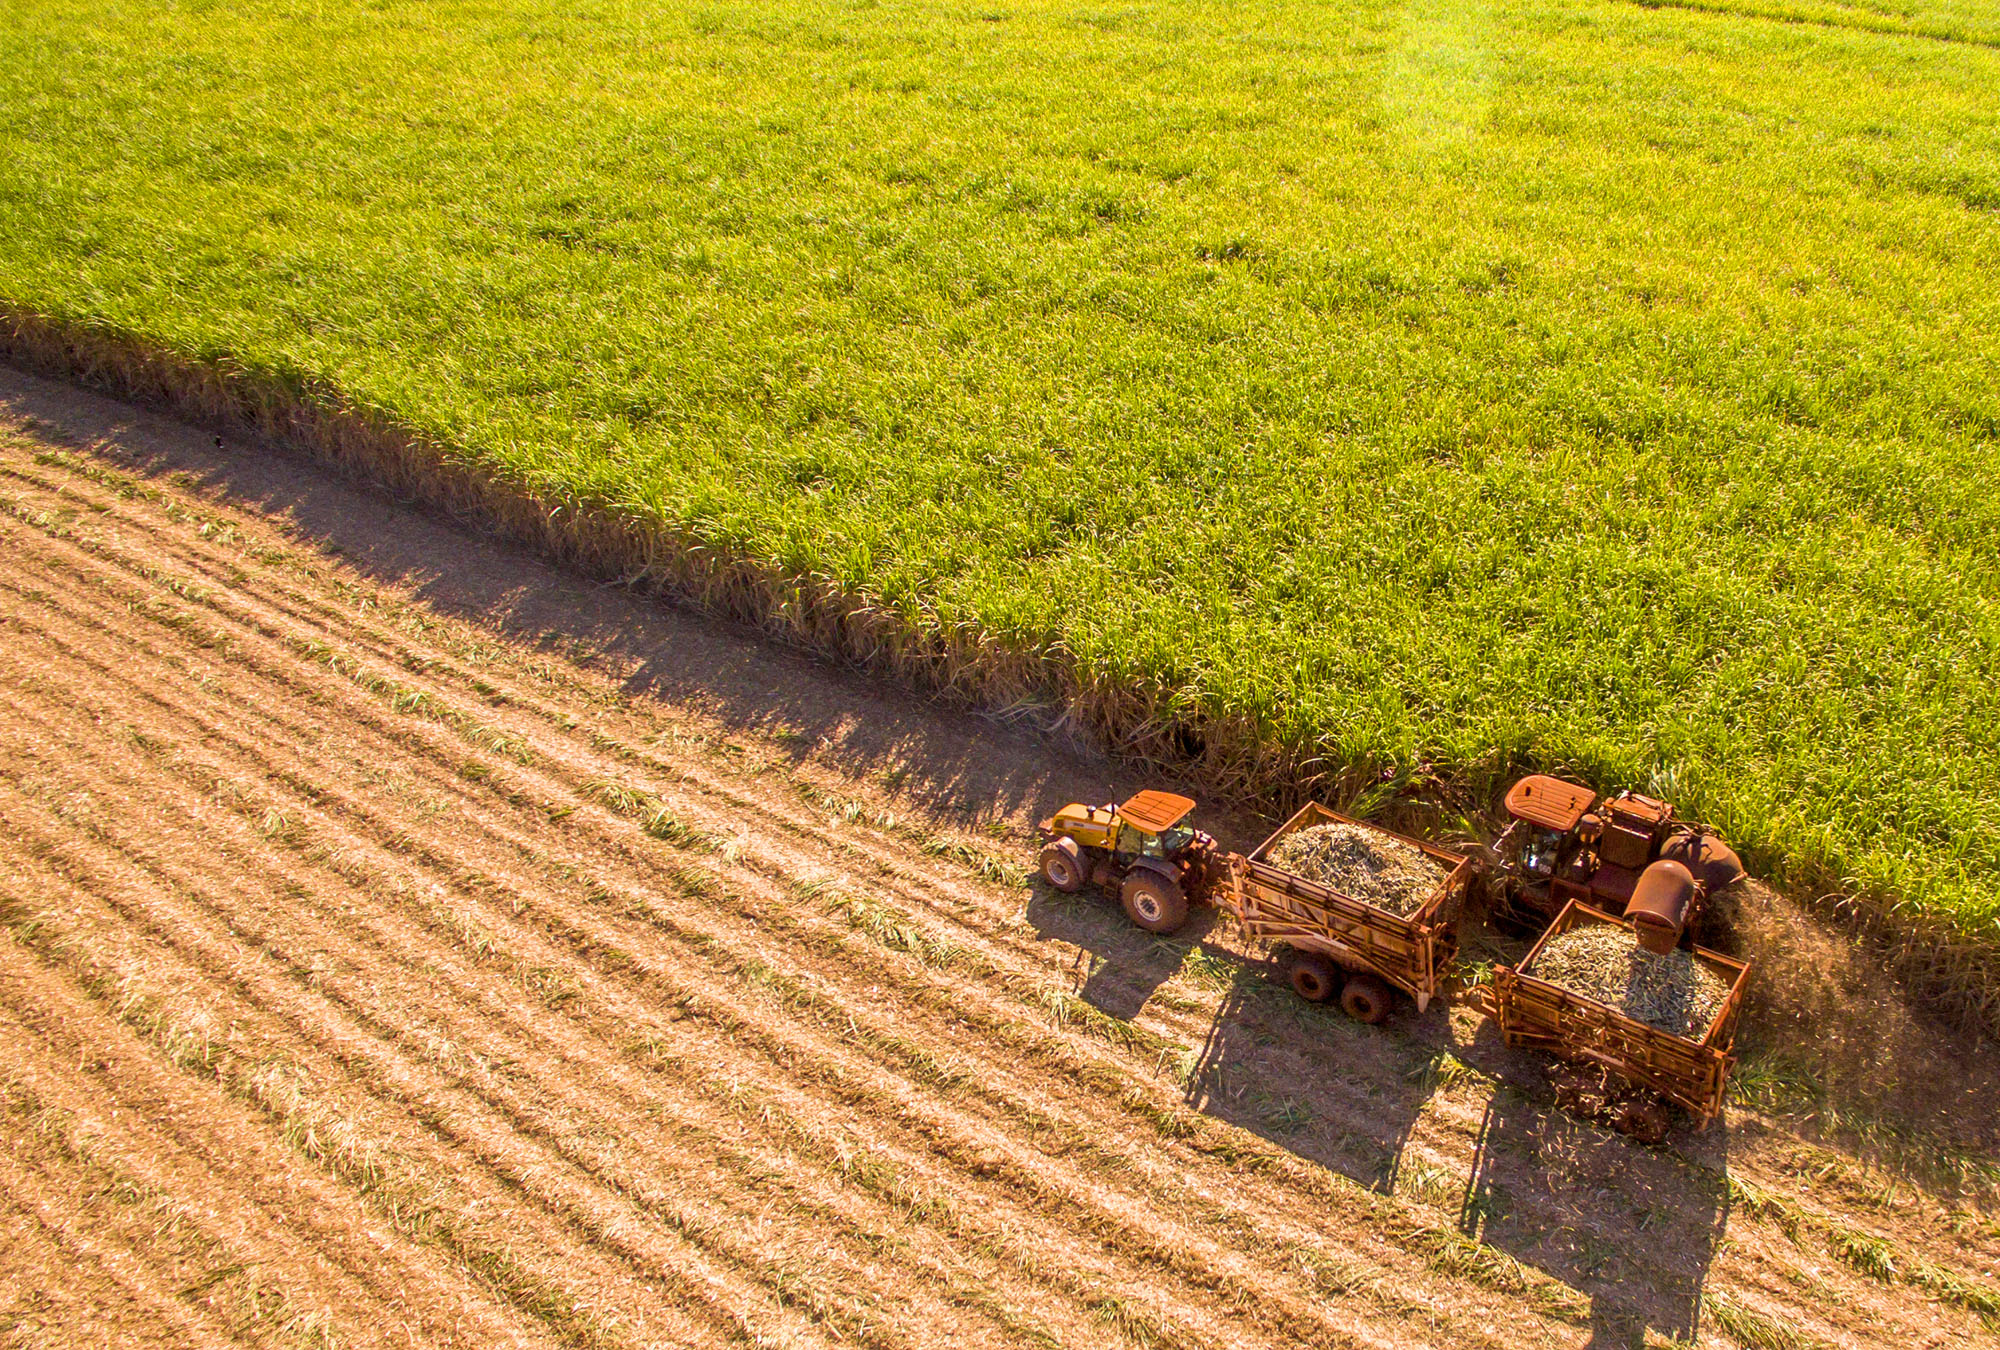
(1632, 1229)
(1309, 1080)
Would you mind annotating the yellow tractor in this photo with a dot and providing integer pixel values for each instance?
(1141, 849)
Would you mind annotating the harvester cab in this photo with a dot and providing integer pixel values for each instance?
(1140, 847)
(1627, 856)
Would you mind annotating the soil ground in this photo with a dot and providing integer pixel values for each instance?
(407, 944)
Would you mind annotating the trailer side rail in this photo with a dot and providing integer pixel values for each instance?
(1534, 1012)
(1411, 953)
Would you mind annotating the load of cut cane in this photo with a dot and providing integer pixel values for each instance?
(1369, 865)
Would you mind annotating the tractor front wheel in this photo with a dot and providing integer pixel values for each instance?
(1314, 978)
(1366, 998)
(1062, 866)
(1154, 903)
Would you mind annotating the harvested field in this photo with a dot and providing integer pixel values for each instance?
(405, 944)
(1674, 992)
(1363, 864)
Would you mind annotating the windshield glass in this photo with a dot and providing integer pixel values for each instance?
(1132, 839)
(1176, 839)
(1539, 857)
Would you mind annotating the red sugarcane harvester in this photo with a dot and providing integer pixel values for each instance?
(1626, 856)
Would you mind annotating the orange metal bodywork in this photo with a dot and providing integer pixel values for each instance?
(1414, 954)
(1688, 1071)
(1551, 803)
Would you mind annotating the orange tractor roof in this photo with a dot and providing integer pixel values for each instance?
(1549, 802)
(1154, 811)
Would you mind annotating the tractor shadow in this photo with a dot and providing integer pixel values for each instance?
(1310, 1080)
(1632, 1229)
(1119, 967)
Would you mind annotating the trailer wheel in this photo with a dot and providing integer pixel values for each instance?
(1154, 903)
(1314, 978)
(1062, 866)
(1645, 1121)
(1366, 998)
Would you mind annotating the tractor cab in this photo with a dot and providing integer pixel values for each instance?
(1149, 825)
(1547, 824)
(1145, 825)
(1548, 853)
(1141, 847)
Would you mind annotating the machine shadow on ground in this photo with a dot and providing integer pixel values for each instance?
(1119, 967)
(1294, 1074)
(1634, 1230)
(1272, 1064)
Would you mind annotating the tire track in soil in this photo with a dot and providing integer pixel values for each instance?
(53, 1296)
(786, 841)
(157, 1134)
(398, 656)
(581, 1255)
(279, 602)
(306, 1029)
(1196, 1273)
(365, 1008)
(790, 823)
(120, 1292)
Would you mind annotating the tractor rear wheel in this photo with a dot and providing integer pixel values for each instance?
(1366, 998)
(1154, 903)
(1314, 978)
(1062, 866)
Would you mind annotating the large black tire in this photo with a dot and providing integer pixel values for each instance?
(1366, 998)
(1154, 903)
(1063, 866)
(1314, 978)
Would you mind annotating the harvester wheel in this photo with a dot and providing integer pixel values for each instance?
(1154, 903)
(1366, 998)
(1314, 978)
(1063, 867)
